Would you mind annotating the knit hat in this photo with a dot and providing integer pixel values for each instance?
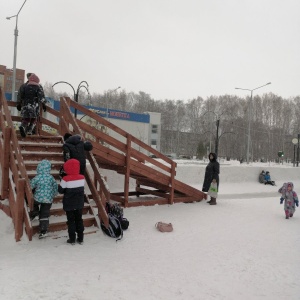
(67, 135)
(28, 75)
(88, 146)
(34, 78)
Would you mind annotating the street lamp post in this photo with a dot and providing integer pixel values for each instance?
(217, 134)
(249, 112)
(13, 95)
(82, 84)
(107, 101)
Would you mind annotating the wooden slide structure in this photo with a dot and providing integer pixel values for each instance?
(113, 149)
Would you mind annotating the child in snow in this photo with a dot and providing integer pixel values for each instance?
(45, 189)
(268, 179)
(290, 198)
(72, 186)
(261, 177)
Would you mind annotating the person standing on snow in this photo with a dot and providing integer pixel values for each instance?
(211, 175)
(290, 199)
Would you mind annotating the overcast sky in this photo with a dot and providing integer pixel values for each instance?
(170, 49)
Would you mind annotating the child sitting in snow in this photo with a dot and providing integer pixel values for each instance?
(261, 177)
(290, 199)
(268, 179)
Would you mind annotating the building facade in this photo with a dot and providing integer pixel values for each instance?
(6, 79)
(146, 126)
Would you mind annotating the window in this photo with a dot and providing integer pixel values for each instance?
(153, 142)
(154, 128)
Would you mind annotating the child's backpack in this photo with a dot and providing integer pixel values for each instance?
(117, 210)
(114, 229)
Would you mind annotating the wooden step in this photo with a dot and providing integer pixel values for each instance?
(60, 223)
(57, 210)
(41, 147)
(38, 156)
(32, 174)
(42, 139)
(31, 166)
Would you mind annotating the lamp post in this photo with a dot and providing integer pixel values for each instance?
(82, 84)
(296, 141)
(217, 134)
(107, 100)
(15, 52)
(249, 112)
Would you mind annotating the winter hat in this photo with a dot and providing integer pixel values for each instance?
(67, 135)
(88, 146)
(28, 75)
(289, 184)
(34, 78)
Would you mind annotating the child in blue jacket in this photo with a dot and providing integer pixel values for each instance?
(45, 189)
(268, 179)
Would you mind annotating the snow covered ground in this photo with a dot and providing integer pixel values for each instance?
(242, 248)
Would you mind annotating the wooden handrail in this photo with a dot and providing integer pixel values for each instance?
(16, 149)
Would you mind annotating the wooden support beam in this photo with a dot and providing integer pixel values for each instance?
(127, 172)
(5, 163)
(19, 213)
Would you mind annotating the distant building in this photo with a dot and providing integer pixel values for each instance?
(146, 126)
(6, 79)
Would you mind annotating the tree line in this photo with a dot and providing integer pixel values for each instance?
(190, 127)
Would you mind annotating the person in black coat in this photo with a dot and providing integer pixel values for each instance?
(211, 175)
(72, 186)
(30, 96)
(75, 147)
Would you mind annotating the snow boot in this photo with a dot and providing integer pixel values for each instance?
(291, 215)
(29, 129)
(213, 201)
(287, 217)
(43, 234)
(80, 242)
(22, 131)
(71, 242)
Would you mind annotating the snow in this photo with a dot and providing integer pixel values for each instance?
(242, 248)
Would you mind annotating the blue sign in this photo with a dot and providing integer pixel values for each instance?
(112, 114)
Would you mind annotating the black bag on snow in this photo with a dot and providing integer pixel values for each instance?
(124, 223)
(117, 210)
(114, 229)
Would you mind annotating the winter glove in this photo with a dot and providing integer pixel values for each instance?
(297, 202)
(19, 107)
(44, 107)
(281, 200)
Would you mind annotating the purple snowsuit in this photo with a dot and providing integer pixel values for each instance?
(289, 199)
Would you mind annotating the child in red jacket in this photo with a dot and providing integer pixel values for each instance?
(72, 186)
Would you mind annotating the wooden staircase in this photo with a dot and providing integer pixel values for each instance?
(113, 149)
(34, 149)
